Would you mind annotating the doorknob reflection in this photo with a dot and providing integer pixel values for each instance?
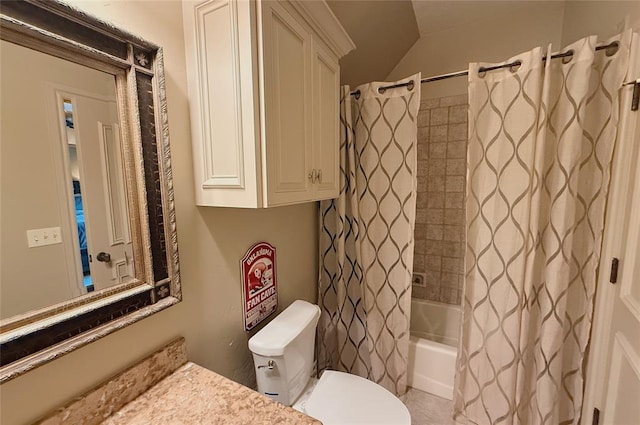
(104, 257)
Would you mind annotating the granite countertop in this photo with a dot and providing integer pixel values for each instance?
(195, 395)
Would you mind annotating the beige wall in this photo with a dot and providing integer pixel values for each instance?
(31, 181)
(211, 243)
(484, 40)
(604, 18)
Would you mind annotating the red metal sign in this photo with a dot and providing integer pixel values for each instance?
(259, 287)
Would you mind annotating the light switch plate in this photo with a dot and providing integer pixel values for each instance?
(43, 237)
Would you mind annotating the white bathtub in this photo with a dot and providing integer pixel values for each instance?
(433, 346)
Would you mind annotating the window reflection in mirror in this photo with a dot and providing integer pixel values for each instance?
(82, 249)
(64, 211)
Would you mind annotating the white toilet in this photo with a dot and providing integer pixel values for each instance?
(283, 356)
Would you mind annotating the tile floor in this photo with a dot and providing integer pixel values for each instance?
(427, 409)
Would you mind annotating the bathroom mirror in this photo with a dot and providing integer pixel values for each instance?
(88, 226)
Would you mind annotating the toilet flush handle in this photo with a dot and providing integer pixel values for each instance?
(270, 365)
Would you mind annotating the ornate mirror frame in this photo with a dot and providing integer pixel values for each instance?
(37, 337)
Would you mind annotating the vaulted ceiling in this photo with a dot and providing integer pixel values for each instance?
(383, 31)
(437, 15)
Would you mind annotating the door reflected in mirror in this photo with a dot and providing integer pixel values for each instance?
(95, 164)
(65, 213)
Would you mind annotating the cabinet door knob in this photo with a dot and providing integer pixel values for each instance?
(312, 175)
(319, 176)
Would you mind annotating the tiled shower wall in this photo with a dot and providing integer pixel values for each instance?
(439, 232)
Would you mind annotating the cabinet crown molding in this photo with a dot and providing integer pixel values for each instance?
(325, 22)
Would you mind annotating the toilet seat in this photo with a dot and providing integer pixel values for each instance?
(343, 399)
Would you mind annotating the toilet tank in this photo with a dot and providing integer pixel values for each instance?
(283, 352)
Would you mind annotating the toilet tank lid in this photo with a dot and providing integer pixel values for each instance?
(277, 334)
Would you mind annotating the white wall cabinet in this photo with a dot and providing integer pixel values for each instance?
(264, 97)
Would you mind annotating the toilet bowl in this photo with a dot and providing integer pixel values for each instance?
(283, 356)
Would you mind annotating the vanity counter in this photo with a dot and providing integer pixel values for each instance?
(164, 388)
(195, 395)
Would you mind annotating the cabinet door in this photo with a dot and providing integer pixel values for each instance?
(222, 92)
(326, 122)
(287, 106)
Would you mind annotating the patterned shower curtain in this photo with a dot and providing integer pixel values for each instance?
(541, 141)
(366, 238)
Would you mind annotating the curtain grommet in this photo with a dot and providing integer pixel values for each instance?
(568, 56)
(612, 49)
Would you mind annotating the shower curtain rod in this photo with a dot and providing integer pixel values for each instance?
(611, 48)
